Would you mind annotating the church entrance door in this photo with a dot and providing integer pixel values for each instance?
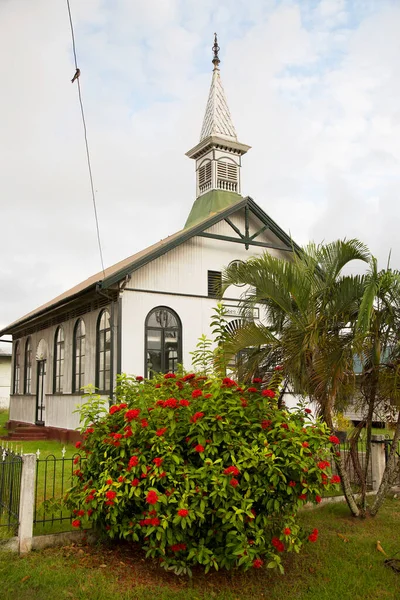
(40, 392)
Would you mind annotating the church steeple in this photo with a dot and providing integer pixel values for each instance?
(218, 154)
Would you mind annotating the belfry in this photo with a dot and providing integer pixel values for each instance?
(217, 155)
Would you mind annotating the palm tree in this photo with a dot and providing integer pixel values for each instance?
(310, 308)
(377, 333)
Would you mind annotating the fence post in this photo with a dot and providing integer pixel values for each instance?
(378, 460)
(27, 503)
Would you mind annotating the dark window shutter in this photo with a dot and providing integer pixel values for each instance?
(214, 283)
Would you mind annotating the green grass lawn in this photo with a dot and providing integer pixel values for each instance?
(347, 567)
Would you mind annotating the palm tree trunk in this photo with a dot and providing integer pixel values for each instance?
(388, 473)
(344, 477)
(346, 486)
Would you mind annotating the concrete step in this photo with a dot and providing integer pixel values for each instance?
(26, 437)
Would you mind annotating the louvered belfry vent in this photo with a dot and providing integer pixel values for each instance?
(205, 177)
(227, 176)
(214, 283)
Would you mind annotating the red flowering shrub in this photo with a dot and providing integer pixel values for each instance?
(214, 478)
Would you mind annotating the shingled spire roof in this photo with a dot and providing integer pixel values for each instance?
(217, 118)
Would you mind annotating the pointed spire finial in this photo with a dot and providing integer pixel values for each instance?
(216, 49)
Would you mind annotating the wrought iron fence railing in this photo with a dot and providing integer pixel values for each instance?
(10, 490)
(53, 478)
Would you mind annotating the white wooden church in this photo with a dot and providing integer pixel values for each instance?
(146, 312)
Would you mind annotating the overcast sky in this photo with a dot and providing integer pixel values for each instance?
(313, 86)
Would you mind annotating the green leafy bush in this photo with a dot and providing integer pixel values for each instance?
(201, 471)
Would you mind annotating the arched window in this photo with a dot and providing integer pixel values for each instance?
(17, 367)
(78, 365)
(59, 361)
(163, 341)
(28, 366)
(103, 374)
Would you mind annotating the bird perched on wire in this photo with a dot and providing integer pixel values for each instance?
(77, 73)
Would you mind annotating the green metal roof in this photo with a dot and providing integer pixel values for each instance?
(210, 203)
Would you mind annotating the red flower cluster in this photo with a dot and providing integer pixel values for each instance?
(276, 542)
(184, 402)
(305, 444)
(144, 423)
(228, 382)
(178, 547)
(110, 495)
(139, 378)
(313, 536)
(318, 499)
(170, 403)
(183, 512)
(244, 402)
(132, 414)
(170, 376)
(161, 431)
(268, 393)
(198, 415)
(188, 377)
(133, 462)
(278, 368)
(308, 411)
(199, 448)
(257, 563)
(116, 408)
(285, 426)
(303, 497)
(287, 531)
(252, 390)
(292, 484)
(76, 523)
(158, 461)
(78, 444)
(335, 479)
(334, 439)
(266, 424)
(135, 482)
(234, 482)
(89, 498)
(323, 464)
(231, 471)
(197, 393)
(152, 497)
(257, 380)
(154, 521)
(109, 481)
(207, 396)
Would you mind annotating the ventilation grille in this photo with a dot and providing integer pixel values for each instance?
(227, 176)
(214, 283)
(205, 177)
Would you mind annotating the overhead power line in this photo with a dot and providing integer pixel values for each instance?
(76, 78)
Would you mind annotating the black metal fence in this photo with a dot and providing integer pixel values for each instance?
(354, 456)
(10, 489)
(388, 445)
(53, 479)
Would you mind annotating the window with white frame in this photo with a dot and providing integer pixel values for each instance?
(59, 356)
(78, 365)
